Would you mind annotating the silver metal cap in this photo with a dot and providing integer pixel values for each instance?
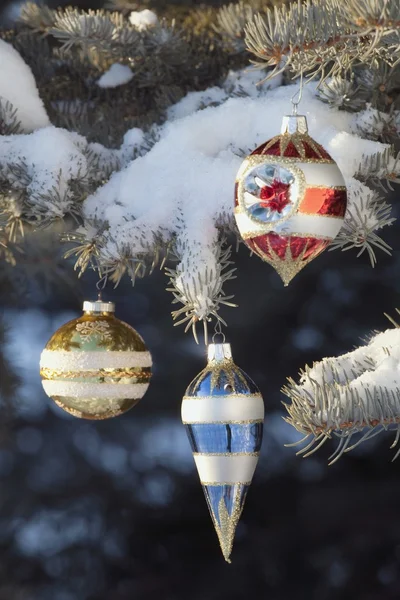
(98, 306)
(294, 124)
(219, 352)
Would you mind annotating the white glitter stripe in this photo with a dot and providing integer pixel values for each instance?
(225, 469)
(87, 361)
(324, 174)
(225, 409)
(116, 391)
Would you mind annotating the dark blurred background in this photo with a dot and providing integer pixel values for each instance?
(114, 511)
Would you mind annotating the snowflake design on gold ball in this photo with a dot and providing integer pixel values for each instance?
(90, 329)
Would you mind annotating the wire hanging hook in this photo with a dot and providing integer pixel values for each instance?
(299, 94)
(218, 331)
(100, 285)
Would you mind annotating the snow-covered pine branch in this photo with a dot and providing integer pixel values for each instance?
(356, 393)
(166, 189)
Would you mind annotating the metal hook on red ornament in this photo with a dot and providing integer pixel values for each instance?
(297, 96)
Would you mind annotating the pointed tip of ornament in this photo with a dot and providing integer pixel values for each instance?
(287, 280)
(226, 502)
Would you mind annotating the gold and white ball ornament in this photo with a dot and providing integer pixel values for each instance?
(290, 199)
(96, 366)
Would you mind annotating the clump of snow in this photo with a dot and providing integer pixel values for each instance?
(194, 101)
(116, 75)
(142, 19)
(184, 185)
(237, 83)
(375, 364)
(134, 137)
(18, 86)
(52, 158)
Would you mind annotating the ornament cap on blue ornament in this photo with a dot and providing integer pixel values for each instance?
(223, 413)
(96, 366)
(290, 199)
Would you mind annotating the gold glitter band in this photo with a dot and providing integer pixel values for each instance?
(233, 454)
(217, 483)
(246, 235)
(248, 422)
(238, 395)
(341, 188)
(142, 373)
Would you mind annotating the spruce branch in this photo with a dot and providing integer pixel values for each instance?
(9, 123)
(202, 294)
(338, 397)
(364, 217)
(343, 94)
(380, 168)
(95, 29)
(325, 35)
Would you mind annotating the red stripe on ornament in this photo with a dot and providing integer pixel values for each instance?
(274, 150)
(324, 201)
(291, 151)
(324, 154)
(310, 152)
(308, 247)
(236, 193)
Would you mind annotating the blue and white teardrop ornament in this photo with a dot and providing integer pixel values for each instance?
(223, 413)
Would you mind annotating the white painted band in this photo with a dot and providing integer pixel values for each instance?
(115, 391)
(62, 360)
(225, 409)
(318, 225)
(226, 469)
(327, 175)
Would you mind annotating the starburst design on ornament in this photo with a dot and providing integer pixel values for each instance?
(275, 196)
(268, 194)
(99, 329)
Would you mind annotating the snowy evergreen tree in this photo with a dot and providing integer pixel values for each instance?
(126, 128)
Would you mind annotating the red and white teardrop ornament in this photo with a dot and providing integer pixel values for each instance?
(290, 199)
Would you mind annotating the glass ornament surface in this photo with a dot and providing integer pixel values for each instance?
(290, 199)
(223, 413)
(96, 366)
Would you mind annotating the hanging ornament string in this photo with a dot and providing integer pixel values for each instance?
(299, 93)
(218, 331)
(101, 284)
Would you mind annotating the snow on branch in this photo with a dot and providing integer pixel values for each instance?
(168, 191)
(356, 393)
(21, 107)
(180, 192)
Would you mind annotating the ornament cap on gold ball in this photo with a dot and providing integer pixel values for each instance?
(223, 413)
(98, 306)
(96, 366)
